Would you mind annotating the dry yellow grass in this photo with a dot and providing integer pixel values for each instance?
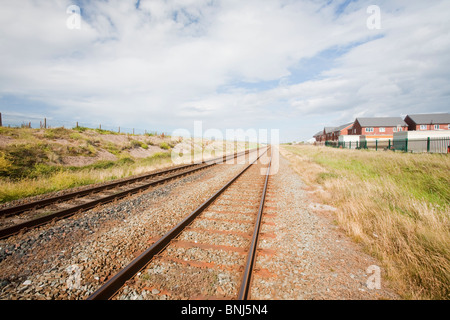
(395, 204)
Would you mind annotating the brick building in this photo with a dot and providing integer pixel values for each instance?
(429, 121)
(382, 127)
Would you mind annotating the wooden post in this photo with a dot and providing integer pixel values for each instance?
(77, 124)
(100, 126)
(119, 129)
(133, 131)
(1, 125)
(45, 123)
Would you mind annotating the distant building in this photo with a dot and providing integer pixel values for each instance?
(319, 137)
(379, 127)
(341, 131)
(428, 121)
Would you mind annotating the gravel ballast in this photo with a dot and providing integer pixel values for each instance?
(305, 255)
(71, 258)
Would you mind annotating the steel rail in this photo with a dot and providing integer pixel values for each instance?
(109, 289)
(64, 213)
(72, 195)
(244, 290)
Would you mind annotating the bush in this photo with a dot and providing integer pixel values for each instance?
(137, 144)
(80, 129)
(22, 158)
(164, 146)
(5, 165)
(125, 160)
(57, 133)
(102, 131)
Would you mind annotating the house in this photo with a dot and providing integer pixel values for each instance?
(341, 131)
(428, 121)
(319, 136)
(378, 127)
(328, 133)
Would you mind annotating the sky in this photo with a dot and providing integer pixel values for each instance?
(294, 66)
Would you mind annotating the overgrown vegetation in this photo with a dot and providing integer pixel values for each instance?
(38, 161)
(164, 145)
(32, 162)
(44, 178)
(396, 204)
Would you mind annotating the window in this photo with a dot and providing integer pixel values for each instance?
(369, 129)
(423, 127)
(382, 129)
(449, 127)
(436, 127)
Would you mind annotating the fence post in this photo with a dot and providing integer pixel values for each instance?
(389, 146)
(428, 144)
(45, 123)
(406, 144)
(1, 125)
(376, 144)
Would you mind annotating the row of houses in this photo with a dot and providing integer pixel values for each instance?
(384, 127)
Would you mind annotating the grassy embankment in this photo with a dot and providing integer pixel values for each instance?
(38, 161)
(397, 205)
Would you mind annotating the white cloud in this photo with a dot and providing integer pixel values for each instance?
(168, 61)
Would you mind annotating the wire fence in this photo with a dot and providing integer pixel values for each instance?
(429, 144)
(37, 122)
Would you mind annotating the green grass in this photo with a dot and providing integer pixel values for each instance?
(136, 143)
(43, 179)
(164, 145)
(403, 198)
(34, 160)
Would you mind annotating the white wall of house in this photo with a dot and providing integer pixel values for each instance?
(350, 138)
(417, 140)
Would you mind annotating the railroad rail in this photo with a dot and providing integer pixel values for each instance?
(98, 195)
(241, 186)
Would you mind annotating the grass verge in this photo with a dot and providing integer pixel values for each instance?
(55, 178)
(395, 204)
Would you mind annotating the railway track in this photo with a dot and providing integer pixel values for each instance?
(34, 214)
(210, 254)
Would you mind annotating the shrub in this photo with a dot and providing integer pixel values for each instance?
(125, 160)
(23, 157)
(57, 133)
(5, 165)
(102, 131)
(137, 144)
(164, 145)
